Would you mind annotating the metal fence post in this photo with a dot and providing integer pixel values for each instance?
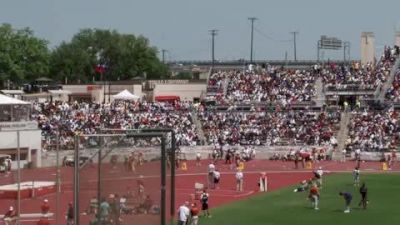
(76, 181)
(58, 178)
(163, 181)
(172, 157)
(99, 179)
(19, 179)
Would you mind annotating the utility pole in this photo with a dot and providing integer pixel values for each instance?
(252, 19)
(294, 44)
(163, 55)
(213, 33)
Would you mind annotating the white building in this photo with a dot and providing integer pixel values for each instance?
(15, 118)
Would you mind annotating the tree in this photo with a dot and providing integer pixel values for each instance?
(184, 75)
(124, 56)
(23, 57)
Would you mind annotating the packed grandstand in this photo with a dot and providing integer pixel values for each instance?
(266, 106)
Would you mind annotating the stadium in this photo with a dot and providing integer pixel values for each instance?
(102, 130)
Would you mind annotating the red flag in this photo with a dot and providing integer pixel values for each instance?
(100, 69)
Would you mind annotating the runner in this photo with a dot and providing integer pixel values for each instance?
(10, 216)
(314, 196)
(45, 208)
(303, 187)
(217, 176)
(239, 180)
(318, 175)
(210, 179)
(204, 203)
(70, 214)
(356, 176)
(364, 199)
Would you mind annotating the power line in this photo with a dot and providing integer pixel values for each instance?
(260, 32)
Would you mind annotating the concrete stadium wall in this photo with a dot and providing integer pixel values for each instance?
(30, 139)
(184, 91)
(151, 153)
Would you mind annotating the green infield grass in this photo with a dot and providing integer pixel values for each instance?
(284, 207)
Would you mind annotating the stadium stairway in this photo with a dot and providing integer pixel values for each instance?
(342, 134)
(389, 81)
(199, 128)
(319, 98)
(225, 87)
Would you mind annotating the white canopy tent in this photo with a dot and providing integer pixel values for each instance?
(6, 100)
(12, 109)
(125, 95)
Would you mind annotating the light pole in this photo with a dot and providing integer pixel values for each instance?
(213, 33)
(163, 55)
(294, 44)
(252, 19)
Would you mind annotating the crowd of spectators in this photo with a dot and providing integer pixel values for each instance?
(373, 130)
(257, 126)
(393, 93)
(270, 128)
(358, 76)
(69, 119)
(271, 84)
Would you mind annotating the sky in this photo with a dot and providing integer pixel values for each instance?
(182, 26)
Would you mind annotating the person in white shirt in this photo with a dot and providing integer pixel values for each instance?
(183, 213)
(318, 175)
(217, 176)
(356, 176)
(211, 169)
(358, 157)
(198, 159)
(239, 180)
(344, 155)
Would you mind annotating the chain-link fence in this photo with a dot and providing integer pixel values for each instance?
(122, 177)
(27, 194)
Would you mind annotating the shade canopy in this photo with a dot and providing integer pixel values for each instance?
(125, 95)
(6, 100)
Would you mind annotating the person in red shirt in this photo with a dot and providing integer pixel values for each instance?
(314, 196)
(43, 221)
(10, 216)
(45, 207)
(194, 213)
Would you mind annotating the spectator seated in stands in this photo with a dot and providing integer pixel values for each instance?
(360, 77)
(69, 119)
(271, 84)
(373, 131)
(275, 128)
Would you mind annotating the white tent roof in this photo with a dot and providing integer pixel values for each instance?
(59, 92)
(5, 100)
(12, 92)
(125, 95)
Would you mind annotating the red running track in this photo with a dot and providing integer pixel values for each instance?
(280, 174)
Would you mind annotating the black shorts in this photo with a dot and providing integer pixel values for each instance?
(204, 206)
(216, 180)
(363, 195)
